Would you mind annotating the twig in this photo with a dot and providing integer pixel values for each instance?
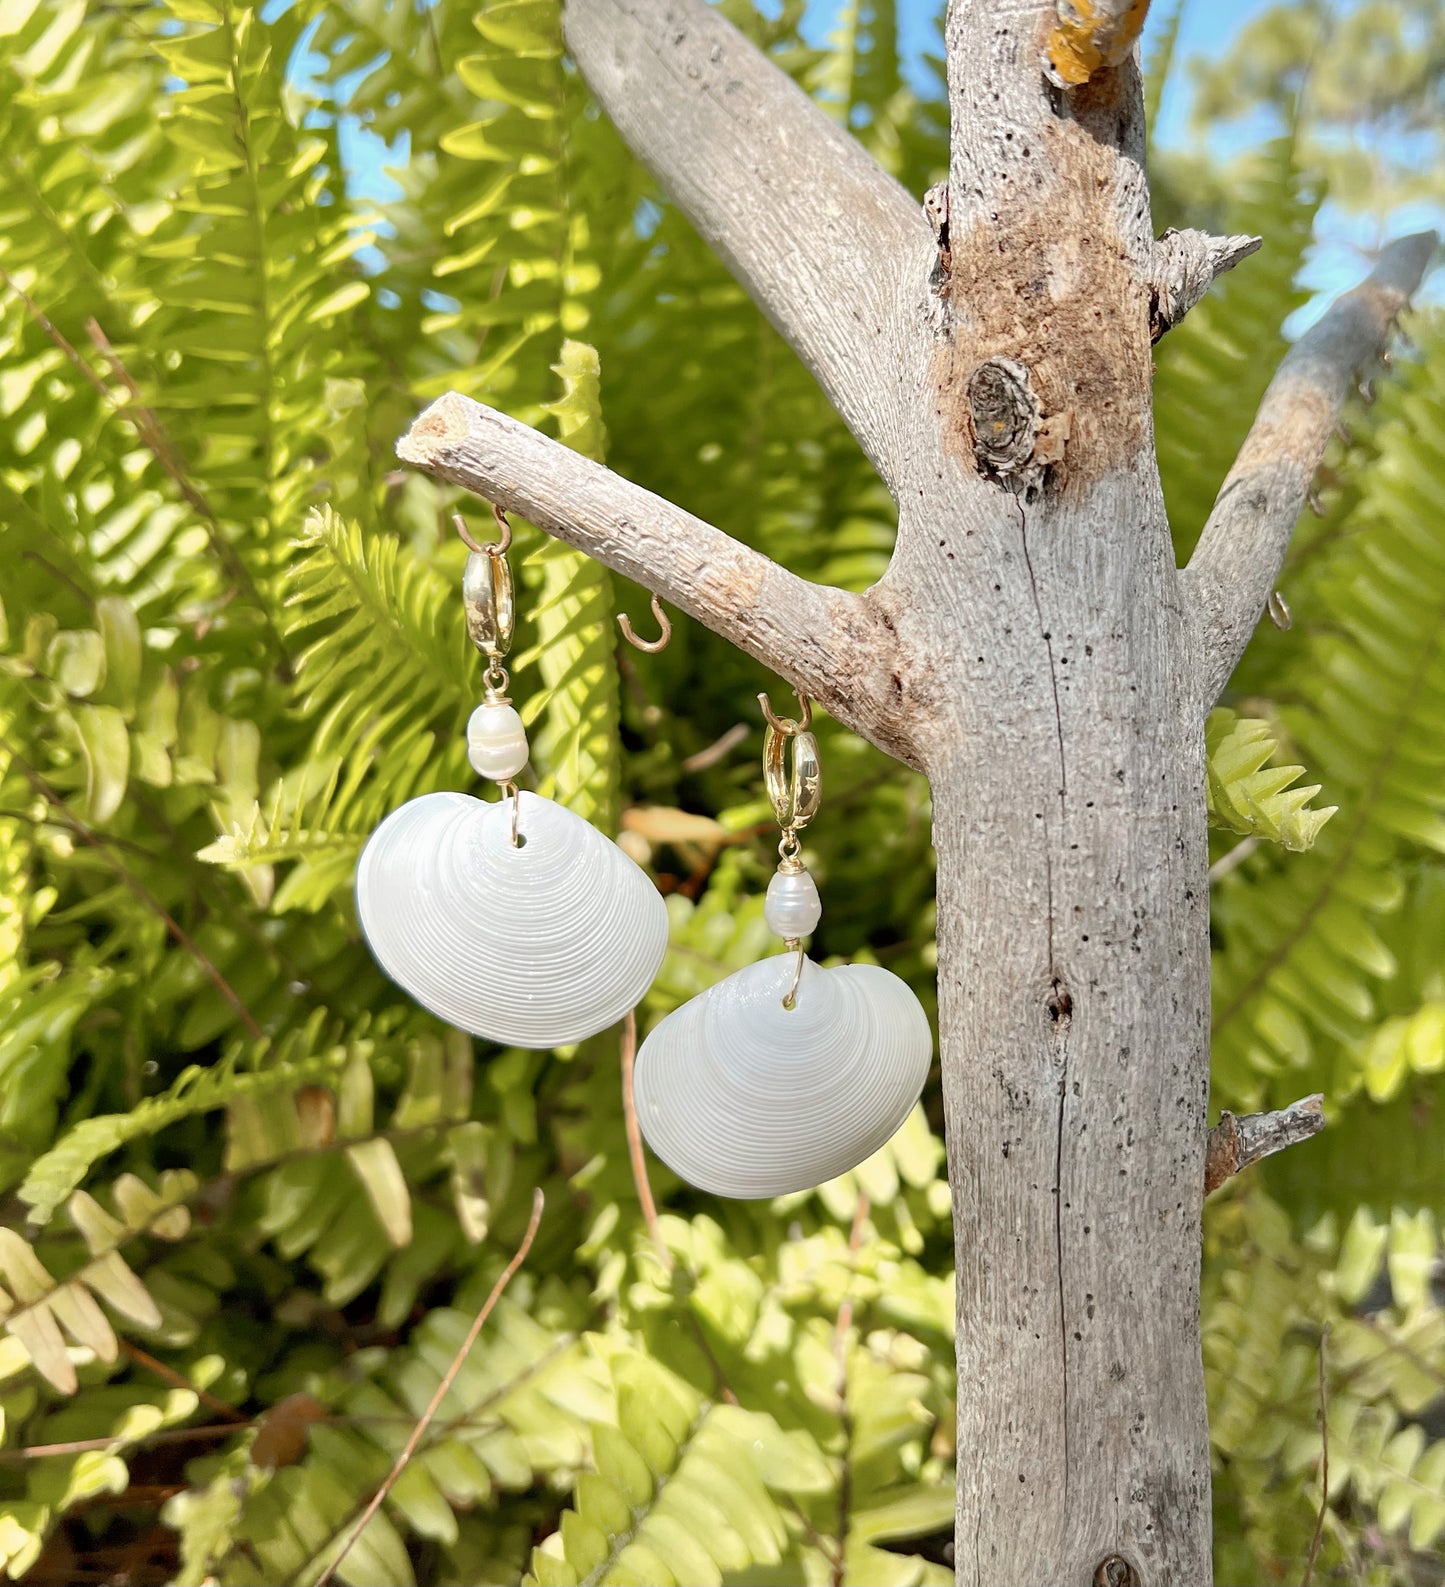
(1235, 1143)
(1185, 264)
(180, 1381)
(1231, 861)
(1324, 1468)
(634, 1139)
(758, 155)
(716, 750)
(43, 320)
(443, 1388)
(845, 1306)
(82, 1446)
(135, 886)
(845, 1415)
(149, 428)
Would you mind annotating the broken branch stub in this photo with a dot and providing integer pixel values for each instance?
(1236, 1142)
(1185, 264)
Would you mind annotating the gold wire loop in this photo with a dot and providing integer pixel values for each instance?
(468, 539)
(490, 602)
(509, 791)
(652, 646)
(790, 997)
(795, 786)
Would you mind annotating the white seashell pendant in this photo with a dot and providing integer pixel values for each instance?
(537, 945)
(745, 1098)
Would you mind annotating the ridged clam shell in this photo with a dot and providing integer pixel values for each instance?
(536, 946)
(743, 1097)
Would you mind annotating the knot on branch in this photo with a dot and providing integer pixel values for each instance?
(1235, 1143)
(1013, 443)
(1091, 35)
(1183, 268)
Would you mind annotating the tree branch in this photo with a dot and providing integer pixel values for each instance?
(1235, 1143)
(1238, 558)
(819, 235)
(833, 646)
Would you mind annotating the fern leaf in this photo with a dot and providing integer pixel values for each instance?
(1247, 796)
(1213, 368)
(38, 1311)
(1301, 958)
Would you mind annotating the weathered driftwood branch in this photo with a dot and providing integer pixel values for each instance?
(1029, 649)
(816, 231)
(1184, 267)
(1235, 1143)
(833, 645)
(1238, 558)
(1090, 36)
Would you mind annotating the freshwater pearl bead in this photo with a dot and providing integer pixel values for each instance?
(496, 741)
(793, 908)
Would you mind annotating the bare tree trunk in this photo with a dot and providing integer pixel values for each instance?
(1069, 821)
(1034, 650)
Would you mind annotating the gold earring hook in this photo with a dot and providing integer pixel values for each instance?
(785, 724)
(493, 548)
(652, 646)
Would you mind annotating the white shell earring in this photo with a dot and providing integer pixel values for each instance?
(784, 1075)
(515, 920)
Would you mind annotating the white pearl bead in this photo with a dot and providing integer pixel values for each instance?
(793, 908)
(496, 741)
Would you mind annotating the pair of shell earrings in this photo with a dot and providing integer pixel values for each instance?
(516, 920)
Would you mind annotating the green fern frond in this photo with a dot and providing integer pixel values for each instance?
(1301, 958)
(1248, 796)
(382, 673)
(38, 1311)
(196, 1090)
(1212, 369)
(681, 1488)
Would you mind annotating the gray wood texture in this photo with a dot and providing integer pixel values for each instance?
(1032, 648)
